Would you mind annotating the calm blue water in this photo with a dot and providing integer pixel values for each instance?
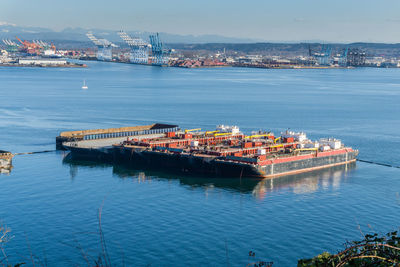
(164, 219)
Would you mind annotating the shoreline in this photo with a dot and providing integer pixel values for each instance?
(45, 66)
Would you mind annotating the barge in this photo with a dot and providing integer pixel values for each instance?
(6, 160)
(224, 152)
(112, 134)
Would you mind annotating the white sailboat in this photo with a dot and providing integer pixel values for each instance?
(84, 86)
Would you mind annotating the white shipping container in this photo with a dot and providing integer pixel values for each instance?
(335, 144)
(298, 136)
(311, 145)
(228, 129)
(194, 143)
(261, 151)
(325, 148)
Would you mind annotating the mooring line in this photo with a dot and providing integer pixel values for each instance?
(35, 152)
(378, 163)
(361, 160)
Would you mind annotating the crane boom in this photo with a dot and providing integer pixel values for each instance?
(19, 40)
(257, 135)
(220, 134)
(136, 41)
(192, 130)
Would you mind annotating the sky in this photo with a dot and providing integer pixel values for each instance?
(269, 20)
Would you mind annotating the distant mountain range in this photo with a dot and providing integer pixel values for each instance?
(75, 38)
(9, 31)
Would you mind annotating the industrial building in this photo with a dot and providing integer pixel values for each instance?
(42, 61)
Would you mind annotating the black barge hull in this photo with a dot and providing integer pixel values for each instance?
(210, 166)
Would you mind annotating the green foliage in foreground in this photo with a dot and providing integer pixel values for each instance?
(371, 251)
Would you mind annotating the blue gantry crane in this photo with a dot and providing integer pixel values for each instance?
(342, 61)
(160, 55)
(324, 57)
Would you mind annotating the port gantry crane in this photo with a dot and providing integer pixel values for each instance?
(30, 47)
(160, 54)
(104, 47)
(322, 57)
(343, 57)
(139, 48)
(11, 46)
(46, 45)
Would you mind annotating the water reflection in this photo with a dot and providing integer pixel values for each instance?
(6, 170)
(305, 183)
(260, 188)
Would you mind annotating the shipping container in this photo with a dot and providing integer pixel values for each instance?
(261, 157)
(288, 140)
(187, 136)
(170, 134)
(247, 144)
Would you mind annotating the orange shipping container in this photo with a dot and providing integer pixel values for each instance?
(257, 144)
(262, 157)
(247, 144)
(289, 140)
(170, 134)
(187, 136)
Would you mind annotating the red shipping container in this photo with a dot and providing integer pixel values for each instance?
(238, 154)
(289, 140)
(262, 157)
(187, 136)
(170, 134)
(247, 144)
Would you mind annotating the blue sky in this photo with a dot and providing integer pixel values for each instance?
(279, 20)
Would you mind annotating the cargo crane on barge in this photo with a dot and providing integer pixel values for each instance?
(223, 152)
(139, 48)
(104, 47)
